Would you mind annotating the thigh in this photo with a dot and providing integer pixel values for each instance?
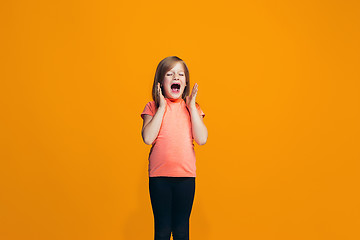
(183, 197)
(161, 196)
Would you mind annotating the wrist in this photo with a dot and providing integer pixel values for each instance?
(162, 108)
(192, 108)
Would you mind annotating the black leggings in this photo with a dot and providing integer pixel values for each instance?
(172, 199)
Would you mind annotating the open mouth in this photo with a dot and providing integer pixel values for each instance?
(175, 87)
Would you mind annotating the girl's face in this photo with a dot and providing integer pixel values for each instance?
(174, 82)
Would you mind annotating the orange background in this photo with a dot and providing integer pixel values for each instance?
(278, 82)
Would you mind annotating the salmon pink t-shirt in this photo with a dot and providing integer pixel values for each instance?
(172, 153)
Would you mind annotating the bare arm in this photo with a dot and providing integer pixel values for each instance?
(199, 129)
(151, 126)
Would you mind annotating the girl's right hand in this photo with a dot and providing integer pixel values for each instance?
(162, 98)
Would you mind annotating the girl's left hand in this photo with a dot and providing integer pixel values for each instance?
(190, 101)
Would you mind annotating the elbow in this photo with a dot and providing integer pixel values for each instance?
(202, 141)
(147, 141)
(147, 138)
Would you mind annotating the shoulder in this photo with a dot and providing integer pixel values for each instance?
(151, 105)
(150, 109)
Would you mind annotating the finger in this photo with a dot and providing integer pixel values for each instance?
(193, 89)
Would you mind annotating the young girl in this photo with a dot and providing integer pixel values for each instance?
(171, 122)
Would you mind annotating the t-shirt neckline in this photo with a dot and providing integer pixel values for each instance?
(174, 100)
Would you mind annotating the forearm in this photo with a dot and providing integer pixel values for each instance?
(199, 129)
(151, 130)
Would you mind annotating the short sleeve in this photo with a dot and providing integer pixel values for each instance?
(200, 111)
(149, 109)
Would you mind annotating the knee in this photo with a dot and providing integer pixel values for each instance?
(181, 233)
(163, 233)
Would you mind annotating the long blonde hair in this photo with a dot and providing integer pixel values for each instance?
(163, 67)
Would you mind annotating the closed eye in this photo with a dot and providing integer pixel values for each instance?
(169, 74)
